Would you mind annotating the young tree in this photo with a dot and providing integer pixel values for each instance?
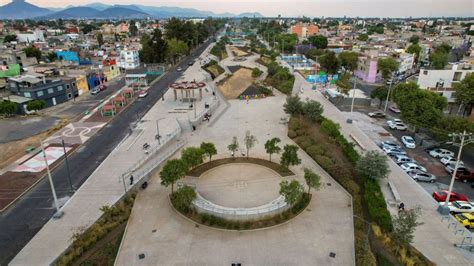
(387, 66)
(363, 37)
(192, 156)
(153, 48)
(271, 146)
(404, 226)
(439, 59)
(33, 52)
(290, 156)
(349, 60)
(414, 49)
(464, 92)
(9, 38)
(319, 41)
(35, 105)
(293, 105)
(313, 110)
(314, 53)
(379, 93)
(256, 72)
(292, 191)
(249, 141)
(330, 62)
(343, 83)
(312, 179)
(373, 165)
(209, 149)
(233, 146)
(415, 39)
(100, 38)
(173, 170)
(132, 28)
(183, 198)
(175, 48)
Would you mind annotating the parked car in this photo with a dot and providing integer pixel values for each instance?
(439, 153)
(389, 150)
(190, 63)
(401, 159)
(142, 94)
(409, 142)
(459, 206)
(179, 69)
(102, 87)
(394, 109)
(396, 125)
(450, 160)
(377, 114)
(466, 219)
(412, 166)
(389, 144)
(422, 176)
(95, 90)
(465, 176)
(450, 169)
(441, 196)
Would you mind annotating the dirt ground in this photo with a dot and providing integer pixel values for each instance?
(14, 150)
(238, 52)
(232, 87)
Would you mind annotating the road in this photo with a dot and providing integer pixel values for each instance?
(22, 221)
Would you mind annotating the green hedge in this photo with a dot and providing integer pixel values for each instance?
(376, 205)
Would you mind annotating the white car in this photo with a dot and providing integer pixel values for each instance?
(439, 153)
(409, 142)
(142, 94)
(401, 159)
(450, 168)
(459, 206)
(393, 124)
(388, 150)
(412, 166)
(422, 176)
(390, 144)
(450, 160)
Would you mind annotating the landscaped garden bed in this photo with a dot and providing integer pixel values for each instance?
(213, 68)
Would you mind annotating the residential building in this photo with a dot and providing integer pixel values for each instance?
(406, 61)
(10, 57)
(442, 81)
(9, 70)
(37, 87)
(81, 84)
(128, 59)
(29, 37)
(71, 87)
(304, 30)
(111, 71)
(367, 67)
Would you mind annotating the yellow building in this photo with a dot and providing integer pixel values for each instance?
(81, 83)
(111, 72)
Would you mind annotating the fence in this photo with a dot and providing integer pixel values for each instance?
(272, 208)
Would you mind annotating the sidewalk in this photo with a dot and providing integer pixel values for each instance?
(433, 238)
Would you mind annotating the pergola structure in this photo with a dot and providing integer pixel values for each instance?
(108, 109)
(120, 100)
(187, 90)
(128, 92)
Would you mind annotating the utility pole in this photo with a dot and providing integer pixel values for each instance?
(388, 95)
(58, 213)
(464, 141)
(158, 132)
(353, 93)
(67, 167)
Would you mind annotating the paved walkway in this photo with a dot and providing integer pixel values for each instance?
(433, 238)
(307, 240)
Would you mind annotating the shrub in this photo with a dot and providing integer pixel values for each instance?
(315, 149)
(376, 205)
(292, 134)
(256, 72)
(324, 161)
(294, 124)
(330, 128)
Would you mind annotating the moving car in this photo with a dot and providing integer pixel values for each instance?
(142, 94)
(465, 176)
(459, 206)
(377, 114)
(422, 176)
(466, 219)
(409, 142)
(412, 166)
(441, 196)
(439, 153)
(449, 160)
(393, 124)
(450, 169)
(394, 109)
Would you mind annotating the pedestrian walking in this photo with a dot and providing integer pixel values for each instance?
(131, 180)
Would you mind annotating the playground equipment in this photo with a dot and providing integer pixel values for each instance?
(187, 90)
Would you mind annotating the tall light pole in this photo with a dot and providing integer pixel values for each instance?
(388, 94)
(353, 92)
(58, 213)
(67, 167)
(445, 209)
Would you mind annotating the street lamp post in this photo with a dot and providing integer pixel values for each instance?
(67, 167)
(353, 93)
(388, 94)
(58, 213)
(444, 209)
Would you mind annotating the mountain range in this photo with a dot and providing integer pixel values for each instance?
(19, 9)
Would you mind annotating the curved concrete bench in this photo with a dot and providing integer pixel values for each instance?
(242, 214)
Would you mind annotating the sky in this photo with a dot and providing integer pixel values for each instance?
(314, 8)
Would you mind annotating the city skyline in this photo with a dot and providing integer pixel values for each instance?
(337, 8)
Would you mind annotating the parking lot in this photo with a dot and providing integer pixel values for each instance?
(378, 129)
